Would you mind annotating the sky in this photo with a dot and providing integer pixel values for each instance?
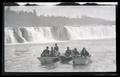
(104, 12)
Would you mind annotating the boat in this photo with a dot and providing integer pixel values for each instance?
(48, 60)
(64, 59)
(82, 60)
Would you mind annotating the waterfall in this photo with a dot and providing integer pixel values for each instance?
(91, 32)
(51, 34)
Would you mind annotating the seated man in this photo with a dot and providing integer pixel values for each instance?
(45, 53)
(52, 52)
(68, 52)
(56, 49)
(75, 52)
(84, 52)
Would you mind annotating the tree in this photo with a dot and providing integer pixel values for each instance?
(10, 4)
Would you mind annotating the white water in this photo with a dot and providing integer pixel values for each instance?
(91, 32)
(9, 37)
(40, 34)
(44, 34)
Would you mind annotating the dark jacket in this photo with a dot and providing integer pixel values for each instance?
(45, 53)
(75, 53)
(56, 48)
(52, 53)
(68, 53)
(84, 52)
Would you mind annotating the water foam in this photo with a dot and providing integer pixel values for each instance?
(45, 34)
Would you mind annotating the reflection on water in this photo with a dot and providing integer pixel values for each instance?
(49, 66)
(80, 66)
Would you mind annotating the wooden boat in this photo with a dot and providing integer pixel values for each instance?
(81, 60)
(64, 59)
(47, 60)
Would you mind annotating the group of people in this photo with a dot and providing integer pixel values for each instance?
(75, 52)
(51, 53)
(55, 52)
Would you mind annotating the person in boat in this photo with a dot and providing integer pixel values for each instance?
(46, 52)
(52, 52)
(56, 49)
(84, 52)
(68, 52)
(75, 52)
